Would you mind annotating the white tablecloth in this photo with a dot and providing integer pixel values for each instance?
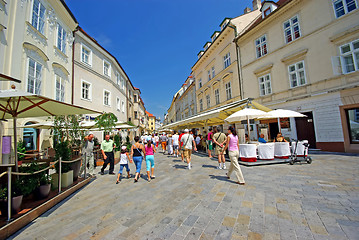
(266, 151)
(247, 150)
(301, 150)
(281, 149)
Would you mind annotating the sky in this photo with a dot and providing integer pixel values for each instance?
(155, 41)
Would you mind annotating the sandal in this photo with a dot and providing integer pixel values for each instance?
(153, 177)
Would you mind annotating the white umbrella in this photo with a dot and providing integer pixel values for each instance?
(124, 126)
(283, 113)
(246, 114)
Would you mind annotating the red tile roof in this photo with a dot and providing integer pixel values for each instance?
(149, 114)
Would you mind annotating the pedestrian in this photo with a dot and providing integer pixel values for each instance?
(170, 144)
(163, 140)
(124, 158)
(187, 140)
(219, 139)
(107, 147)
(233, 148)
(181, 145)
(198, 141)
(210, 142)
(87, 155)
(137, 150)
(156, 141)
(175, 143)
(150, 160)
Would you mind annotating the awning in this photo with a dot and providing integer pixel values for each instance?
(216, 116)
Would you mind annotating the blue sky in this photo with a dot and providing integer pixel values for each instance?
(155, 41)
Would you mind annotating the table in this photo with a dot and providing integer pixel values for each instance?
(248, 152)
(266, 151)
(282, 150)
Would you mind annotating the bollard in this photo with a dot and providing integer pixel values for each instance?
(9, 194)
(59, 174)
(85, 166)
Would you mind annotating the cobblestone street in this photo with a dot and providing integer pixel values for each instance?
(317, 201)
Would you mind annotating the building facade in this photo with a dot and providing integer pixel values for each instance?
(303, 55)
(36, 47)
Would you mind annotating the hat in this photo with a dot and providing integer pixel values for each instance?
(186, 130)
(124, 148)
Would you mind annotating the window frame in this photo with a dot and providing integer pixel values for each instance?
(118, 104)
(216, 96)
(345, 7)
(227, 60)
(200, 83)
(123, 106)
(264, 83)
(35, 78)
(83, 46)
(109, 68)
(297, 74)
(89, 90)
(37, 27)
(62, 91)
(109, 98)
(228, 87)
(353, 52)
(208, 100)
(263, 46)
(209, 75)
(291, 27)
(62, 45)
(213, 70)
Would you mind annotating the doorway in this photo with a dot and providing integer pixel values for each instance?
(273, 130)
(305, 129)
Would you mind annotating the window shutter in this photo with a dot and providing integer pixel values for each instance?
(336, 64)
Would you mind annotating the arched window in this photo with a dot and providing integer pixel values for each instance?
(30, 137)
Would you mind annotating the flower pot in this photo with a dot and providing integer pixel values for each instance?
(66, 179)
(43, 191)
(75, 166)
(15, 205)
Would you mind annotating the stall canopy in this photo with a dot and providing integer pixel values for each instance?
(4, 77)
(216, 116)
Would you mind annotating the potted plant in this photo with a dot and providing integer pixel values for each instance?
(118, 142)
(44, 186)
(21, 150)
(16, 200)
(63, 150)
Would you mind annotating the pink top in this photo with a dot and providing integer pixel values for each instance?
(233, 143)
(209, 136)
(149, 150)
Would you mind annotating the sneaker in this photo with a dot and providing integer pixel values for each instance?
(219, 167)
(224, 167)
(189, 166)
(102, 173)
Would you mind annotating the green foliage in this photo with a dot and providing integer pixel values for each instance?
(63, 150)
(67, 128)
(106, 121)
(118, 142)
(3, 193)
(20, 150)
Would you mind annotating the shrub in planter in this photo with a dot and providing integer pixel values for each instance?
(44, 187)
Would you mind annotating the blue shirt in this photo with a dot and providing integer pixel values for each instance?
(261, 140)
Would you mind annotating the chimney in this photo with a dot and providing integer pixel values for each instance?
(247, 10)
(256, 4)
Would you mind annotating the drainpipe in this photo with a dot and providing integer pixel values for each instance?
(73, 68)
(239, 64)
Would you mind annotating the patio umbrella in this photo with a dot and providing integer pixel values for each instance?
(4, 77)
(283, 113)
(124, 126)
(246, 114)
(19, 104)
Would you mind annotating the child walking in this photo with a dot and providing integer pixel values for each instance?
(124, 163)
(150, 160)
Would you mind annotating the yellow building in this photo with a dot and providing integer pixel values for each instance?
(304, 55)
(151, 123)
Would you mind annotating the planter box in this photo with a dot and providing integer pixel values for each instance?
(15, 205)
(66, 179)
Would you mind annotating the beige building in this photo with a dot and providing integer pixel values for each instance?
(36, 47)
(216, 70)
(100, 83)
(185, 105)
(139, 119)
(304, 55)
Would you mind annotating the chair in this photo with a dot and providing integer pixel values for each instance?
(248, 152)
(266, 151)
(282, 150)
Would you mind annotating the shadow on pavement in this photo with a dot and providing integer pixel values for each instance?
(177, 160)
(222, 178)
(180, 166)
(209, 166)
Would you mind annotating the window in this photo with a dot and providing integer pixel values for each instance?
(106, 68)
(118, 104)
(291, 29)
(106, 98)
(265, 85)
(213, 72)
(123, 106)
(61, 38)
(86, 90)
(349, 55)
(136, 115)
(267, 12)
(34, 77)
(86, 55)
(261, 46)
(38, 16)
(201, 105)
(228, 90)
(200, 83)
(297, 74)
(134, 98)
(216, 96)
(209, 75)
(227, 60)
(342, 7)
(122, 82)
(353, 123)
(60, 88)
(208, 99)
(118, 79)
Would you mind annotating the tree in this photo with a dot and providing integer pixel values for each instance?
(106, 121)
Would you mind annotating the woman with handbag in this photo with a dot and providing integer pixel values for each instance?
(138, 152)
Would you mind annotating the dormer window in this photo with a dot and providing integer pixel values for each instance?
(214, 36)
(267, 8)
(224, 23)
(206, 46)
(267, 12)
(199, 55)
